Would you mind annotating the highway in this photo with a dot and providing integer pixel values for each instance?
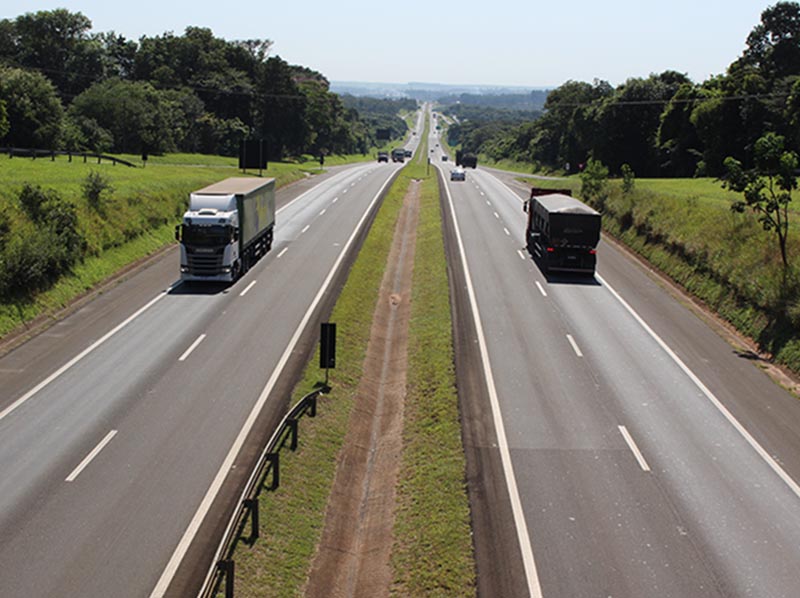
(127, 423)
(617, 445)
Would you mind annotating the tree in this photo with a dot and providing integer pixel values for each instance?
(767, 187)
(54, 42)
(773, 45)
(594, 183)
(135, 113)
(3, 119)
(280, 109)
(628, 122)
(33, 109)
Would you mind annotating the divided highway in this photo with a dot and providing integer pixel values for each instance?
(121, 423)
(641, 455)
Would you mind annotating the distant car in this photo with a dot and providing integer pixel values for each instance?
(408, 153)
(458, 174)
(383, 157)
(444, 158)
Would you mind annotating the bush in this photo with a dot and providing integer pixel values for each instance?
(94, 186)
(594, 183)
(41, 250)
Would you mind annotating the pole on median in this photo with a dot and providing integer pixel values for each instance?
(327, 348)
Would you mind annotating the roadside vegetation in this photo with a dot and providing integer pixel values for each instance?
(432, 553)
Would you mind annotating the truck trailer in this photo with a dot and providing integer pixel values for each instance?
(562, 232)
(229, 225)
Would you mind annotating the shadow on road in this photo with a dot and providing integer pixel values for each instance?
(200, 288)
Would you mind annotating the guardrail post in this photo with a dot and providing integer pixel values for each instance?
(292, 423)
(226, 566)
(274, 459)
(312, 406)
(252, 505)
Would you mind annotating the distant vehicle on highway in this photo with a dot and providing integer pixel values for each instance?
(383, 157)
(562, 232)
(444, 158)
(458, 174)
(398, 154)
(409, 153)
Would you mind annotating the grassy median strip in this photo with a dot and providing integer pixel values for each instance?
(293, 516)
(432, 549)
(432, 555)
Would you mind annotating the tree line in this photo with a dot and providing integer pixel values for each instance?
(664, 124)
(64, 87)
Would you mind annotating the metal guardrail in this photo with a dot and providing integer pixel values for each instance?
(40, 153)
(222, 568)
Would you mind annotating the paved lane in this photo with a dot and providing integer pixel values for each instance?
(632, 482)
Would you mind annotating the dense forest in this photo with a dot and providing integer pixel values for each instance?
(64, 87)
(665, 124)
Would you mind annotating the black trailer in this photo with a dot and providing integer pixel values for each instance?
(562, 232)
(466, 159)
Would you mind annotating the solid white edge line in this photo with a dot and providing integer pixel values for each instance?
(8, 410)
(541, 289)
(90, 457)
(574, 346)
(205, 505)
(284, 250)
(634, 449)
(531, 574)
(193, 346)
(247, 288)
(793, 486)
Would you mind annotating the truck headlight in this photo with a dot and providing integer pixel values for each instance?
(226, 269)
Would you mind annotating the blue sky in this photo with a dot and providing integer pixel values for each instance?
(491, 42)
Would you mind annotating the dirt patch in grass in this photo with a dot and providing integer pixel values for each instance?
(353, 558)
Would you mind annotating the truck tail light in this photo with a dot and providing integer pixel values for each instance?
(551, 249)
(592, 251)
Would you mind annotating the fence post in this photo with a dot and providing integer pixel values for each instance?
(274, 459)
(292, 423)
(312, 410)
(252, 505)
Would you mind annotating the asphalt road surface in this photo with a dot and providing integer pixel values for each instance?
(617, 445)
(124, 424)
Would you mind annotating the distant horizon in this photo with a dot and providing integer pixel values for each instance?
(511, 43)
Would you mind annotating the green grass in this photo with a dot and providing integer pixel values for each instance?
(432, 554)
(438, 562)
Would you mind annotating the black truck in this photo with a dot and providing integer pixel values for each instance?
(562, 232)
(466, 159)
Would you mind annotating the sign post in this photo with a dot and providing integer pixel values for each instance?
(327, 348)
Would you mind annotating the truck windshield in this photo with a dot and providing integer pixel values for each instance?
(206, 236)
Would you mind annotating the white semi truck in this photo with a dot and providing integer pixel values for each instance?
(227, 228)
